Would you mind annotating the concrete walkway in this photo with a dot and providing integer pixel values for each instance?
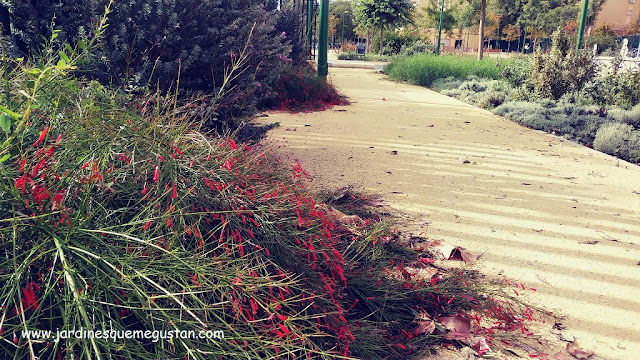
(559, 217)
(332, 60)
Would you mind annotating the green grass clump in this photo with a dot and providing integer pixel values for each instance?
(424, 69)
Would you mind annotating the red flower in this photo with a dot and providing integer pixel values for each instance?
(174, 193)
(156, 174)
(284, 329)
(43, 135)
(21, 183)
(40, 193)
(29, 300)
(233, 144)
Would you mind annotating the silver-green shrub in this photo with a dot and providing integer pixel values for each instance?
(619, 140)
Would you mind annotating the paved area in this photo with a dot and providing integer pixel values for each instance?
(559, 217)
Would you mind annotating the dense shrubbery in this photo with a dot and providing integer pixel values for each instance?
(396, 41)
(620, 140)
(517, 71)
(560, 71)
(418, 47)
(149, 42)
(300, 89)
(578, 123)
(481, 92)
(622, 90)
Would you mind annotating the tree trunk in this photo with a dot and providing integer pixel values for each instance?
(466, 47)
(483, 10)
(381, 39)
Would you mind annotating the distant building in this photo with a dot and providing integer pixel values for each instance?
(620, 14)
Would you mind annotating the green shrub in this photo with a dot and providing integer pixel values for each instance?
(150, 42)
(394, 41)
(517, 71)
(621, 90)
(578, 123)
(631, 117)
(418, 47)
(425, 69)
(484, 93)
(558, 72)
(619, 140)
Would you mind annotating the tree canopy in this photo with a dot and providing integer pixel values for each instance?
(429, 17)
(383, 14)
(343, 11)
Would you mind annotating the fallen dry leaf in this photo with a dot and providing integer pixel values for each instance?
(450, 252)
(463, 255)
(456, 324)
(479, 344)
(578, 353)
(339, 216)
(557, 356)
(425, 324)
(423, 273)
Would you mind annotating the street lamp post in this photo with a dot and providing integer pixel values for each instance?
(583, 19)
(440, 28)
(323, 66)
(344, 12)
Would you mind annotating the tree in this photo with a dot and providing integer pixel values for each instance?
(604, 36)
(384, 14)
(429, 17)
(483, 10)
(343, 12)
(333, 25)
(468, 16)
(558, 17)
(492, 27)
(511, 32)
(594, 8)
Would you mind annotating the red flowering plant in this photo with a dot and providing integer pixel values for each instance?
(120, 214)
(299, 89)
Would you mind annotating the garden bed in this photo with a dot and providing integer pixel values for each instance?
(555, 92)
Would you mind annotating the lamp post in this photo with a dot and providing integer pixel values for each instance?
(583, 19)
(344, 12)
(310, 24)
(323, 66)
(440, 28)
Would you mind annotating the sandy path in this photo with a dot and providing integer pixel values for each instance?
(559, 217)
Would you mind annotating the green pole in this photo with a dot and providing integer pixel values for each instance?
(440, 28)
(583, 19)
(524, 40)
(342, 41)
(323, 38)
(310, 24)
